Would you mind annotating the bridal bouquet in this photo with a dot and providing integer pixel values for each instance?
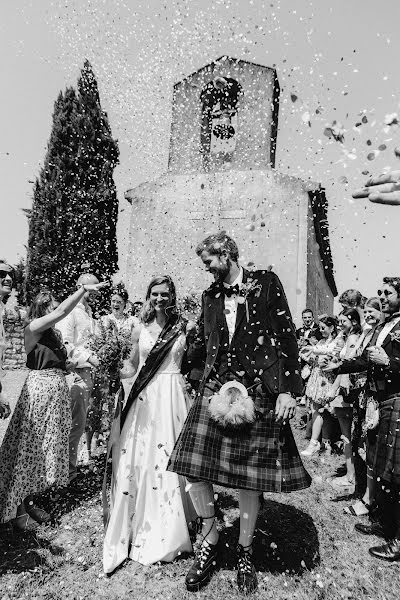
(110, 346)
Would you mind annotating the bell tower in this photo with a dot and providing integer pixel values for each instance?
(225, 116)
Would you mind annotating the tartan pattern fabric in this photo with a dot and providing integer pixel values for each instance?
(261, 457)
(387, 457)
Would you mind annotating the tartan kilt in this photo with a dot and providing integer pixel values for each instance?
(387, 456)
(262, 457)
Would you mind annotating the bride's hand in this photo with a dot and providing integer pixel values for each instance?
(191, 329)
(127, 371)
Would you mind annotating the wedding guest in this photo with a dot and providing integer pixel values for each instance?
(117, 316)
(381, 189)
(5, 290)
(381, 360)
(34, 452)
(247, 342)
(307, 335)
(310, 328)
(342, 396)
(353, 299)
(75, 329)
(365, 431)
(320, 383)
(149, 506)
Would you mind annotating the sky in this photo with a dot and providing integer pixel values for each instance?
(336, 61)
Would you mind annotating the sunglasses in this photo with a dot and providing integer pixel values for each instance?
(3, 274)
(385, 293)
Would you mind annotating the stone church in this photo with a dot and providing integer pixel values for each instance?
(221, 176)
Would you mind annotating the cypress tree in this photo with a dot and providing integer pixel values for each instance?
(75, 207)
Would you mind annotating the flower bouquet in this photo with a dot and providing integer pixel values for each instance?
(111, 348)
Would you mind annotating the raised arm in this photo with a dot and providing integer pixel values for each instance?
(39, 325)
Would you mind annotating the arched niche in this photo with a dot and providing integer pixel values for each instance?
(219, 123)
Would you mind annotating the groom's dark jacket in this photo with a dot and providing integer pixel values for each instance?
(264, 343)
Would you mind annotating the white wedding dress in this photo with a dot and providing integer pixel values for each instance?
(150, 507)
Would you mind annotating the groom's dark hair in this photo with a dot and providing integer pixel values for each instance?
(216, 243)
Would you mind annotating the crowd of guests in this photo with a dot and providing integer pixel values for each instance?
(350, 370)
(166, 454)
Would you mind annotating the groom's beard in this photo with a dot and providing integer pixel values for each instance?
(221, 274)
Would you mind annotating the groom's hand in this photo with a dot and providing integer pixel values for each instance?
(285, 407)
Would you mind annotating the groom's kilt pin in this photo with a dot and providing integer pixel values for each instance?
(261, 457)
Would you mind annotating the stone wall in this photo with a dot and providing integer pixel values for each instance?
(15, 357)
(266, 212)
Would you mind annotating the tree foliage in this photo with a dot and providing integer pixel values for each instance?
(75, 207)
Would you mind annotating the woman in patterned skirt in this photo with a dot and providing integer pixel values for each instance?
(34, 453)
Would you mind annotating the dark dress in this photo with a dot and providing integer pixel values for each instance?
(34, 454)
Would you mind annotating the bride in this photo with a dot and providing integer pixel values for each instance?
(149, 506)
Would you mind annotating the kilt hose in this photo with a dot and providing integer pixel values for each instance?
(262, 457)
(387, 456)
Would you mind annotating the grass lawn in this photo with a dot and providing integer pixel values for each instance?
(305, 548)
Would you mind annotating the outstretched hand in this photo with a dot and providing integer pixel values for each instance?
(95, 287)
(285, 407)
(383, 189)
(377, 355)
(327, 367)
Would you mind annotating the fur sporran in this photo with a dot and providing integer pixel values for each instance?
(232, 407)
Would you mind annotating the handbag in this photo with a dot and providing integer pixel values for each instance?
(232, 407)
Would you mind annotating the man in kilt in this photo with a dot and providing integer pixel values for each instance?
(381, 360)
(245, 335)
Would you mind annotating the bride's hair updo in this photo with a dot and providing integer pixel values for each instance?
(147, 312)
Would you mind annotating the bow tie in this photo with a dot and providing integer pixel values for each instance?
(232, 290)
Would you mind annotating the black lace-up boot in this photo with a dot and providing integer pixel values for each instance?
(246, 575)
(204, 564)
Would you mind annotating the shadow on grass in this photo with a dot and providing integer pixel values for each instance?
(286, 540)
(25, 552)
(90, 481)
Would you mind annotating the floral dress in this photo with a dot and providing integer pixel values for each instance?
(34, 454)
(319, 384)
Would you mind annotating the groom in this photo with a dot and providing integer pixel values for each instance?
(245, 334)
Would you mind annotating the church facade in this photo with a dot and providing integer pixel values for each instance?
(221, 176)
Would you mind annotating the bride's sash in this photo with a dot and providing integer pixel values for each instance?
(172, 330)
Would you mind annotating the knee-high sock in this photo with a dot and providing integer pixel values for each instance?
(249, 504)
(202, 496)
